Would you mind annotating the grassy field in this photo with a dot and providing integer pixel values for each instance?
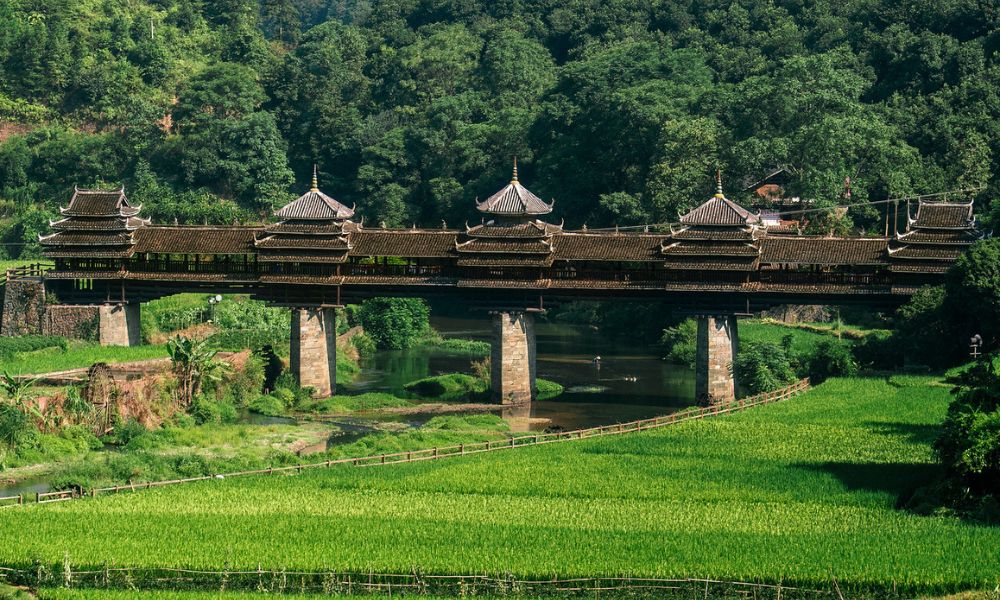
(78, 355)
(796, 492)
(802, 341)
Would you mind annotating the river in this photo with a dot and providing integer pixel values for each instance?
(629, 383)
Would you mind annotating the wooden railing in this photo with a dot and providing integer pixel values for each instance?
(31, 270)
(436, 453)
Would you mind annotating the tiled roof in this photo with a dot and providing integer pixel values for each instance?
(505, 246)
(719, 210)
(713, 233)
(698, 263)
(535, 229)
(823, 251)
(949, 253)
(312, 227)
(285, 241)
(943, 215)
(514, 200)
(504, 260)
(403, 242)
(941, 236)
(115, 223)
(195, 240)
(607, 247)
(99, 203)
(919, 267)
(314, 205)
(303, 256)
(73, 238)
(709, 248)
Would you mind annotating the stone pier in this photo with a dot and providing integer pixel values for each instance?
(314, 349)
(512, 358)
(718, 343)
(118, 324)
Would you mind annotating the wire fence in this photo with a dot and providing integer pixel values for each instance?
(437, 453)
(403, 584)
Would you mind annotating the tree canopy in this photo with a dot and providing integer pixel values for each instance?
(216, 111)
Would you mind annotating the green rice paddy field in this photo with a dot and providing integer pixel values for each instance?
(795, 492)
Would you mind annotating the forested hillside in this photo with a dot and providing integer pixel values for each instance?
(618, 109)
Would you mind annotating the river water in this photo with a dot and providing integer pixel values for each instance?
(630, 382)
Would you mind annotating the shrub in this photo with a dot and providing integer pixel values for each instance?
(452, 385)
(365, 345)
(27, 343)
(925, 329)
(395, 323)
(831, 358)
(763, 367)
(268, 405)
(969, 444)
(681, 343)
(547, 390)
(16, 429)
(879, 350)
(205, 410)
(125, 432)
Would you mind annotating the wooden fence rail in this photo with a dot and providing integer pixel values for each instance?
(466, 449)
(401, 584)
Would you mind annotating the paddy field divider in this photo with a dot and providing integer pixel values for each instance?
(436, 453)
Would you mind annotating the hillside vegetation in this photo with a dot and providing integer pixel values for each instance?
(216, 111)
(795, 492)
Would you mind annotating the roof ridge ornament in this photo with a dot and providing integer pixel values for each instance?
(513, 178)
(718, 184)
(315, 181)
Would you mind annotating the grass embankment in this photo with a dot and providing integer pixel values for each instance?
(793, 492)
(64, 594)
(78, 355)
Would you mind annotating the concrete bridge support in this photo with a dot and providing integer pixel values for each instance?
(118, 324)
(718, 343)
(512, 362)
(314, 349)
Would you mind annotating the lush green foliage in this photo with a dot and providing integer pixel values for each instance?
(973, 294)
(395, 323)
(69, 594)
(194, 364)
(805, 488)
(831, 358)
(447, 387)
(413, 109)
(763, 367)
(969, 446)
(938, 322)
(11, 345)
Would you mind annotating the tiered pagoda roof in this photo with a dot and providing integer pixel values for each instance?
(313, 228)
(96, 224)
(719, 234)
(940, 232)
(510, 235)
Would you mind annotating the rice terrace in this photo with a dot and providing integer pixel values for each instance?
(514, 299)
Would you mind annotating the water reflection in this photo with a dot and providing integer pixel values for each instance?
(628, 383)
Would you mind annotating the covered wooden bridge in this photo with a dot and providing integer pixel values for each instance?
(720, 260)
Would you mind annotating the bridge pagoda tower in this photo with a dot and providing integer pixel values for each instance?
(314, 232)
(511, 236)
(97, 231)
(722, 235)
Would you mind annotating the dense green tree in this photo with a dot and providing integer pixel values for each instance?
(969, 444)
(973, 292)
(394, 323)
